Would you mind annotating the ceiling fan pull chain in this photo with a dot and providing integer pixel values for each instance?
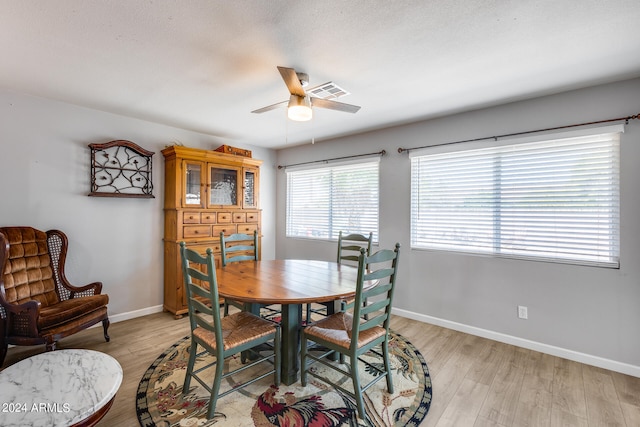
(286, 128)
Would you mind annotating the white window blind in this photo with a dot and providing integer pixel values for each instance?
(553, 200)
(321, 202)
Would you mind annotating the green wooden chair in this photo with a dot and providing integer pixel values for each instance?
(348, 253)
(222, 336)
(242, 247)
(347, 333)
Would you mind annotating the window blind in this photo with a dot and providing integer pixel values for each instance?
(556, 199)
(323, 201)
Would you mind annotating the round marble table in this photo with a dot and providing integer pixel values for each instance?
(59, 388)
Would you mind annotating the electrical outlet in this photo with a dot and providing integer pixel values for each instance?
(522, 312)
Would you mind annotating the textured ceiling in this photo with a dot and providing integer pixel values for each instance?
(204, 65)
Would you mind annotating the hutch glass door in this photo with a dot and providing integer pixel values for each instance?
(224, 186)
(250, 190)
(193, 184)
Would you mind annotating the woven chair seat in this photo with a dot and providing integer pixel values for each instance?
(237, 329)
(337, 330)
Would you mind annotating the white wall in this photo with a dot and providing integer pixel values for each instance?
(583, 313)
(44, 182)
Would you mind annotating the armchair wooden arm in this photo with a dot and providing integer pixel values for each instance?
(58, 244)
(22, 319)
(94, 288)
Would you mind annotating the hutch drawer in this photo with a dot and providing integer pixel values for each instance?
(227, 229)
(191, 217)
(247, 228)
(224, 217)
(196, 231)
(207, 218)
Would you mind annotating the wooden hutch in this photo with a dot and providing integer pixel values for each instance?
(206, 192)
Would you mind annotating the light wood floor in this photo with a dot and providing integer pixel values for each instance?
(476, 382)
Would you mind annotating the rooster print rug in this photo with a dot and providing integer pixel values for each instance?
(161, 403)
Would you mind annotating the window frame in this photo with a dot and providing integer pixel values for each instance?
(493, 147)
(333, 226)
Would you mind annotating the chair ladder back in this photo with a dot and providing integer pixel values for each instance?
(349, 246)
(378, 312)
(198, 293)
(199, 298)
(245, 252)
(375, 311)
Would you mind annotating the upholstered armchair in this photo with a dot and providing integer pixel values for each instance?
(38, 305)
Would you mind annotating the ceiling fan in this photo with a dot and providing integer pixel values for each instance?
(300, 102)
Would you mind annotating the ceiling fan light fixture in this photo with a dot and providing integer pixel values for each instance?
(299, 108)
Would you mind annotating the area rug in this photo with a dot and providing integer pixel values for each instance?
(160, 401)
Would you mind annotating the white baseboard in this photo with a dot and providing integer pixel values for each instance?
(115, 318)
(588, 359)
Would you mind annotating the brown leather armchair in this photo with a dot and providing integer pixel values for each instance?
(38, 305)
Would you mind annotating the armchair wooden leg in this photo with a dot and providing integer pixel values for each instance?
(105, 326)
(3, 343)
(50, 346)
(3, 351)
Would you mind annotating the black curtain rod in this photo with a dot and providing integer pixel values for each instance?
(626, 119)
(380, 153)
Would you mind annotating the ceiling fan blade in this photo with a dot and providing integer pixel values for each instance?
(333, 105)
(291, 80)
(270, 107)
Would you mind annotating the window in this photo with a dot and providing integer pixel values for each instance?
(554, 199)
(321, 202)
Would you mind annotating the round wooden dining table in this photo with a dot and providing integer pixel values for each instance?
(292, 283)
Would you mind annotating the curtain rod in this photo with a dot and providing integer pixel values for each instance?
(380, 153)
(626, 119)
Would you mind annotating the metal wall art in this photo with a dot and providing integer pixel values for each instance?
(121, 169)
